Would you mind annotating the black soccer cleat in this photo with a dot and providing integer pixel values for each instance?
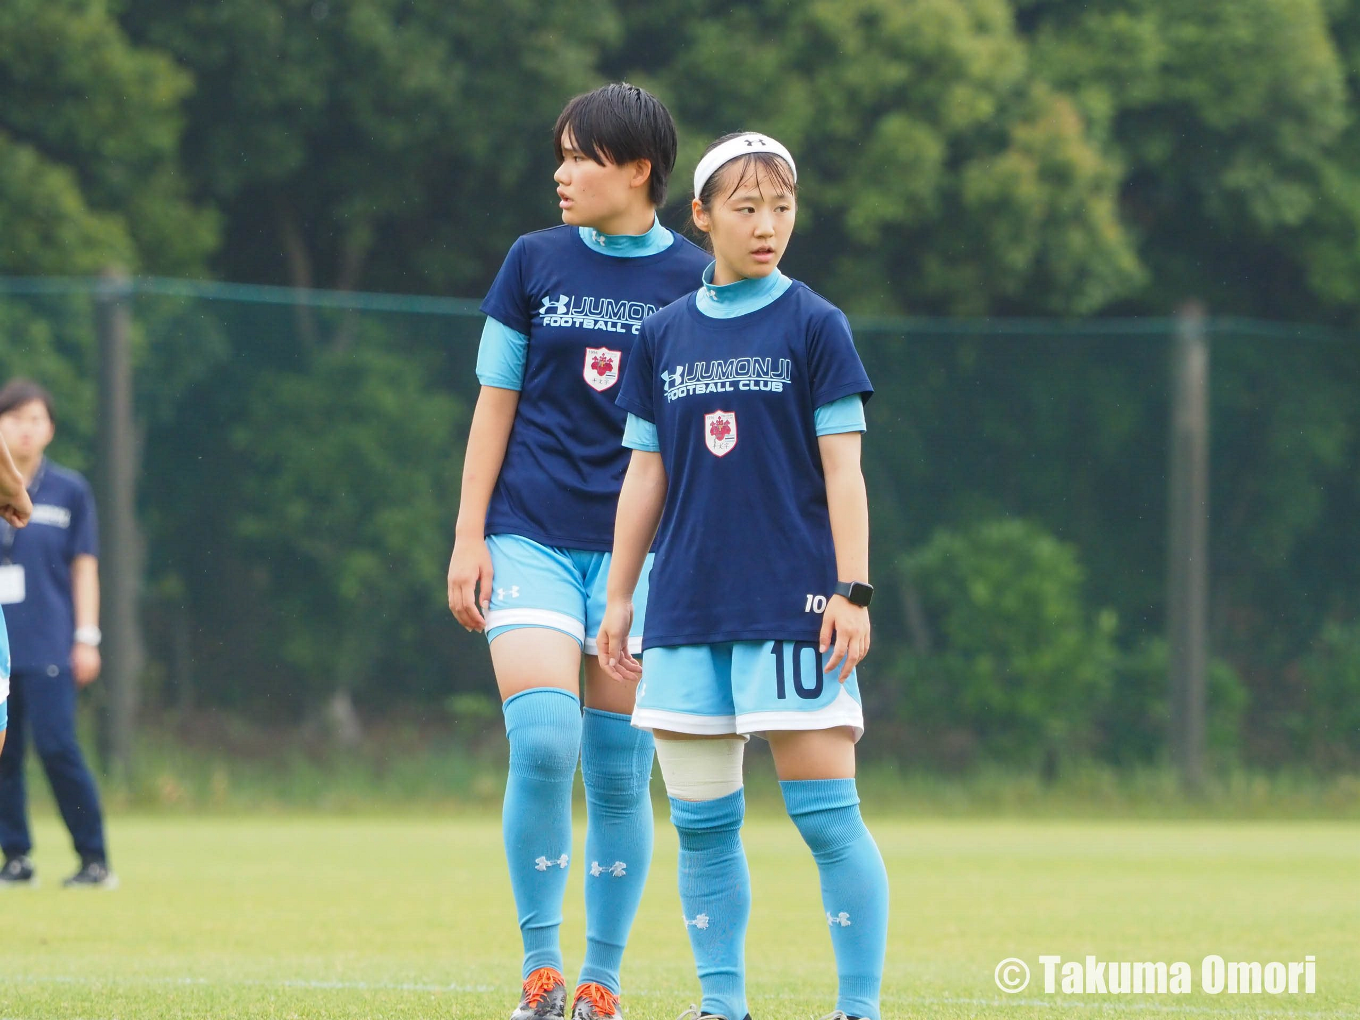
(594, 1002)
(93, 874)
(544, 998)
(693, 1014)
(17, 872)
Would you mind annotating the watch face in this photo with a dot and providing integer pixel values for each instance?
(856, 593)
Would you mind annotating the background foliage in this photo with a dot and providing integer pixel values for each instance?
(957, 157)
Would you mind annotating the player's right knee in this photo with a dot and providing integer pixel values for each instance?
(544, 727)
(700, 770)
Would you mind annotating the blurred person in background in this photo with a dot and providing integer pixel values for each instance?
(50, 591)
(15, 509)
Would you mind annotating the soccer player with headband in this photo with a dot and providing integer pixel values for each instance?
(541, 481)
(15, 510)
(745, 409)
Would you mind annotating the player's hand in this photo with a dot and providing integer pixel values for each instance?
(615, 658)
(469, 577)
(17, 508)
(86, 663)
(849, 624)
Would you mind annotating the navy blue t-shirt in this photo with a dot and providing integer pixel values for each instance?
(745, 544)
(63, 526)
(581, 310)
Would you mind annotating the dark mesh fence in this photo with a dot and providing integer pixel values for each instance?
(300, 456)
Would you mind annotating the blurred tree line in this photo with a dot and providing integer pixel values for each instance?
(957, 157)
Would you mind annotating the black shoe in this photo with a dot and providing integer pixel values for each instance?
(693, 1014)
(594, 1002)
(92, 875)
(544, 998)
(18, 871)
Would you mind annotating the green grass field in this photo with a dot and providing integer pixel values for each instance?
(330, 918)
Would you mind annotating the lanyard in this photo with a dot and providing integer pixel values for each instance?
(7, 530)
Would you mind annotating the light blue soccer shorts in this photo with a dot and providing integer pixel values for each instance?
(538, 585)
(744, 687)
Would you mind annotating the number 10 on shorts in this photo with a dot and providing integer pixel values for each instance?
(815, 604)
(807, 691)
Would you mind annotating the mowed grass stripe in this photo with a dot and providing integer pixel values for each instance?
(318, 917)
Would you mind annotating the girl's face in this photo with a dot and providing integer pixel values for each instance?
(591, 195)
(750, 223)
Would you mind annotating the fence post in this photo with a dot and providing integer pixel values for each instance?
(120, 540)
(1188, 553)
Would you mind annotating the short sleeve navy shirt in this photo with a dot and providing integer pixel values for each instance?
(744, 547)
(64, 525)
(582, 311)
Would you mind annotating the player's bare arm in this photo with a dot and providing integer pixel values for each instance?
(848, 504)
(640, 503)
(15, 506)
(470, 565)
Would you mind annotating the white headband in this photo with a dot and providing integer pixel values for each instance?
(742, 145)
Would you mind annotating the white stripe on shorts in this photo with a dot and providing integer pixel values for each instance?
(634, 646)
(537, 618)
(844, 711)
(684, 722)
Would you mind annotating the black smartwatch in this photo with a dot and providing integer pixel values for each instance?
(856, 592)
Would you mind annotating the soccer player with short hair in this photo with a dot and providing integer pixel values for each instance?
(15, 510)
(745, 406)
(536, 520)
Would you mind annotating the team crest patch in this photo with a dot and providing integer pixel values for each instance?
(602, 367)
(720, 432)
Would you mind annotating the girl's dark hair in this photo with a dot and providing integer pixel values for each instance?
(619, 123)
(749, 166)
(18, 392)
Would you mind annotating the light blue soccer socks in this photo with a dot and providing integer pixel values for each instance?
(715, 894)
(544, 727)
(854, 885)
(616, 760)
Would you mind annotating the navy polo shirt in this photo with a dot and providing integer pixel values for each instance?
(63, 526)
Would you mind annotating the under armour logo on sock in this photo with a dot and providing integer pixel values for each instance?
(543, 864)
(617, 869)
(700, 922)
(842, 919)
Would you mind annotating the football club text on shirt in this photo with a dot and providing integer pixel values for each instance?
(594, 313)
(726, 376)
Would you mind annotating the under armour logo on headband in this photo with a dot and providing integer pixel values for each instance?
(734, 147)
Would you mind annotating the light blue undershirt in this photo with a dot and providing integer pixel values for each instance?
(628, 246)
(501, 356)
(742, 298)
